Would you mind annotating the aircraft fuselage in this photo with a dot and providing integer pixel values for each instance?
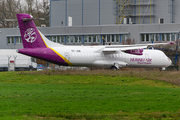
(88, 56)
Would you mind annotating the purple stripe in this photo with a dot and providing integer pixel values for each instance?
(45, 54)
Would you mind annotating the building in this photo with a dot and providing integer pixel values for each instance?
(83, 12)
(118, 21)
(103, 12)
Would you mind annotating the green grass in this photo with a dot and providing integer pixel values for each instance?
(87, 95)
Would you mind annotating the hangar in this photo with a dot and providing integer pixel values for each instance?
(84, 22)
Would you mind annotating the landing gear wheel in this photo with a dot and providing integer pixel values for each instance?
(114, 68)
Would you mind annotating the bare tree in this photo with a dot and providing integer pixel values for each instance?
(30, 5)
(42, 9)
(3, 13)
(46, 11)
(20, 7)
(9, 9)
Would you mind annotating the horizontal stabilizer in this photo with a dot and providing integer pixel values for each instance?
(28, 19)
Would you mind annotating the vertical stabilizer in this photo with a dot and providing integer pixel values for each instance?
(36, 44)
(30, 35)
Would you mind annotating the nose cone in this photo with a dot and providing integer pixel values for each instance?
(169, 62)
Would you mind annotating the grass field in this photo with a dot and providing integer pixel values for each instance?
(97, 94)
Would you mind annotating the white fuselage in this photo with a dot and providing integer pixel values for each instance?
(89, 56)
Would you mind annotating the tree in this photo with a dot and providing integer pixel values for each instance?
(42, 11)
(9, 9)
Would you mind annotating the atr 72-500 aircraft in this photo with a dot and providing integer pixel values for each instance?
(109, 56)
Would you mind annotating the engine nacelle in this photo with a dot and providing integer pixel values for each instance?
(135, 52)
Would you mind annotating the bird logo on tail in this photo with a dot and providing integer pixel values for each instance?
(30, 35)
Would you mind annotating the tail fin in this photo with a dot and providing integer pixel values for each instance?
(31, 36)
(36, 44)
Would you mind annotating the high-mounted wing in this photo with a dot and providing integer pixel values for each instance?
(137, 45)
(136, 49)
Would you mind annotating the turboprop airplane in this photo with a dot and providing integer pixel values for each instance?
(110, 56)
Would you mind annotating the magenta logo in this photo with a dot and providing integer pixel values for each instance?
(30, 35)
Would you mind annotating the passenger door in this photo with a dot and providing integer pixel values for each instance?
(67, 56)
